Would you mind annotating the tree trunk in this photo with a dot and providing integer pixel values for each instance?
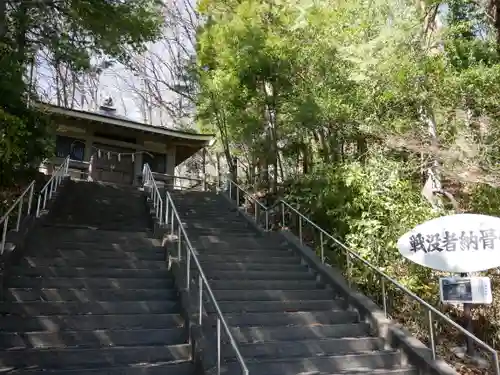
(22, 29)
(3, 18)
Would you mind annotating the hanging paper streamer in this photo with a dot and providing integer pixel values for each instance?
(118, 154)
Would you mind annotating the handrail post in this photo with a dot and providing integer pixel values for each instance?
(431, 334)
(256, 214)
(218, 345)
(300, 229)
(44, 199)
(19, 214)
(384, 296)
(172, 223)
(4, 234)
(188, 269)
(179, 245)
(200, 299)
(322, 247)
(66, 166)
(167, 202)
(30, 198)
(38, 206)
(282, 215)
(51, 183)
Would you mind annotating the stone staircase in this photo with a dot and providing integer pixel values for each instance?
(91, 294)
(284, 319)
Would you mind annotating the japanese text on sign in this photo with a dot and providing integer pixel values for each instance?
(451, 241)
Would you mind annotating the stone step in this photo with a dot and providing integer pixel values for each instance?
(88, 308)
(139, 224)
(305, 348)
(82, 272)
(258, 275)
(276, 306)
(86, 236)
(61, 234)
(359, 371)
(216, 223)
(203, 212)
(273, 295)
(265, 284)
(91, 339)
(89, 358)
(334, 364)
(98, 245)
(89, 322)
(275, 319)
(260, 256)
(88, 283)
(219, 221)
(93, 263)
(261, 253)
(226, 242)
(179, 367)
(242, 267)
(86, 295)
(78, 255)
(247, 257)
(311, 332)
(221, 232)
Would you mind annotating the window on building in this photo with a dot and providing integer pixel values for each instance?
(157, 162)
(73, 147)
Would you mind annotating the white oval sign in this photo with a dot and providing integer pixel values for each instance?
(455, 243)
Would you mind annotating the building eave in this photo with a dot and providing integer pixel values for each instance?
(206, 139)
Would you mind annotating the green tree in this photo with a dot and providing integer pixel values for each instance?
(72, 32)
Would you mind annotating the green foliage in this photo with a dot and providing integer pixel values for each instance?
(24, 141)
(368, 206)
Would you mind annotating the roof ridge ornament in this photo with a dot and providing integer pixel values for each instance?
(108, 104)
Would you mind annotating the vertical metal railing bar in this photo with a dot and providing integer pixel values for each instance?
(51, 186)
(218, 345)
(4, 234)
(200, 300)
(188, 270)
(154, 194)
(351, 255)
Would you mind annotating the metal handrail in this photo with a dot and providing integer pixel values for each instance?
(29, 191)
(350, 254)
(51, 186)
(202, 281)
(198, 181)
(255, 201)
(171, 219)
(155, 195)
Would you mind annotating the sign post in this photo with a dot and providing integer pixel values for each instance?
(461, 244)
